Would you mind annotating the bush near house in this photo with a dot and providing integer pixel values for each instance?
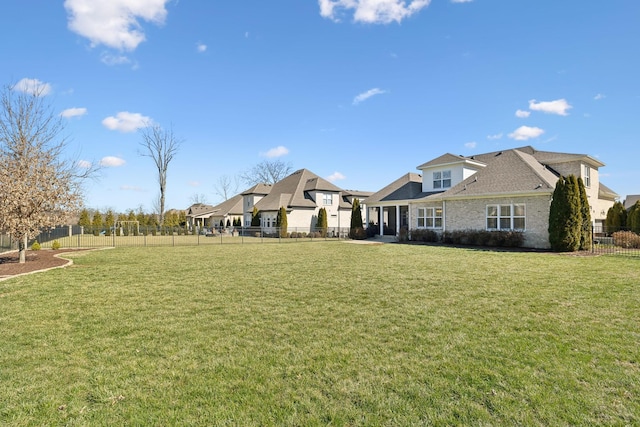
(626, 239)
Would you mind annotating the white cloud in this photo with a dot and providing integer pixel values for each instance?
(471, 144)
(559, 106)
(201, 47)
(336, 176)
(526, 132)
(73, 112)
(495, 136)
(371, 11)
(33, 87)
(131, 188)
(114, 23)
(111, 162)
(523, 114)
(278, 151)
(599, 96)
(125, 121)
(368, 94)
(84, 164)
(110, 59)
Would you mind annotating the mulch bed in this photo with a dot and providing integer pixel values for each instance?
(36, 261)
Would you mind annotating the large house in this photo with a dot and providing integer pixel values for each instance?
(303, 194)
(502, 190)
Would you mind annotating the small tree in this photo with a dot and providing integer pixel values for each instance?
(281, 221)
(84, 220)
(585, 214)
(322, 221)
(255, 217)
(616, 218)
(109, 221)
(356, 231)
(96, 222)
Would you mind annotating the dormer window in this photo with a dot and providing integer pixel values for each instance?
(327, 199)
(442, 179)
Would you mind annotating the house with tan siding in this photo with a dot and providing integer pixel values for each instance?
(502, 190)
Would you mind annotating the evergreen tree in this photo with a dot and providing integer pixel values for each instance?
(565, 218)
(633, 218)
(281, 221)
(585, 213)
(84, 220)
(616, 218)
(109, 221)
(321, 224)
(356, 230)
(255, 217)
(228, 223)
(96, 222)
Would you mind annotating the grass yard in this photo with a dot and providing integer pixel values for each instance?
(322, 333)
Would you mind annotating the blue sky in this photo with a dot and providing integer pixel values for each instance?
(357, 91)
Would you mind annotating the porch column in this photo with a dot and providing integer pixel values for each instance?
(397, 220)
(381, 222)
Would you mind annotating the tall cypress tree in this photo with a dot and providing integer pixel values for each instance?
(357, 229)
(585, 211)
(281, 221)
(565, 216)
(616, 218)
(322, 223)
(633, 218)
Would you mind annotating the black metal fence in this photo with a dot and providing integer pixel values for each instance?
(615, 241)
(79, 237)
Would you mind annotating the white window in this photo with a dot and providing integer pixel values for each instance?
(327, 199)
(429, 217)
(442, 179)
(587, 176)
(506, 217)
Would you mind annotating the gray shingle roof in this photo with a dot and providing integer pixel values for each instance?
(233, 206)
(407, 187)
(293, 191)
(507, 172)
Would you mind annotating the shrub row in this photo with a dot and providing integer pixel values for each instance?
(506, 239)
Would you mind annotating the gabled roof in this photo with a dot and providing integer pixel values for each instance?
(507, 172)
(232, 206)
(259, 189)
(294, 191)
(547, 157)
(198, 209)
(449, 159)
(407, 187)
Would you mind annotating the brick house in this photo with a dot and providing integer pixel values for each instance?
(502, 190)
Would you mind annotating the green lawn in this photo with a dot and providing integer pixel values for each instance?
(322, 333)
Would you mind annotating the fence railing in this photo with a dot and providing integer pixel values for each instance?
(615, 240)
(79, 237)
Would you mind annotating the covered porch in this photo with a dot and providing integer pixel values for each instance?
(390, 219)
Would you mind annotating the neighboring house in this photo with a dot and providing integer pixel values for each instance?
(503, 190)
(631, 200)
(303, 194)
(202, 215)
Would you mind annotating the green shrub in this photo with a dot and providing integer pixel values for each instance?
(35, 246)
(498, 238)
(55, 245)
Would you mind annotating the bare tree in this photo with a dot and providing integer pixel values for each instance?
(161, 146)
(198, 199)
(267, 172)
(227, 187)
(39, 186)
